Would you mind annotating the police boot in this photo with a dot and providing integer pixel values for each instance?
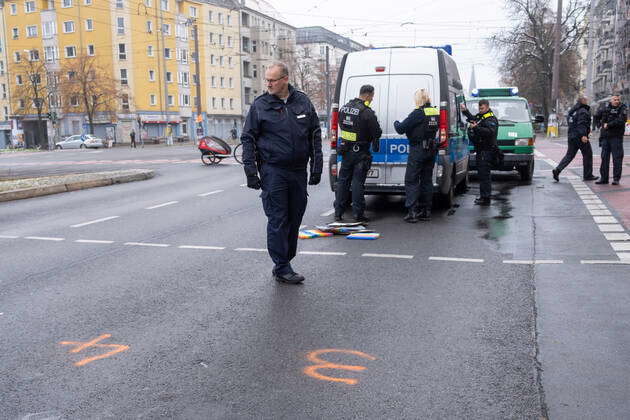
(482, 201)
(290, 278)
(425, 215)
(411, 217)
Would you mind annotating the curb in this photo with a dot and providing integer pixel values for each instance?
(74, 186)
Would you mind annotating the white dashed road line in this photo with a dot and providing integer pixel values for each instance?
(250, 249)
(400, 256)
(620, 246)
(104, 219)
(162, 205)
(327, 213)
(617, 236)
(604, 219)
(44, 238)
(321, 253)
(611, 228)
(216, 248)
(604, 262)
(8, 237)
(92, 241)
(146, 244)
(209, 193)
(475, 260)
(532, 262)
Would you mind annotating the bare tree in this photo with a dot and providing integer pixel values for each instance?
(31, 94)
(88, 87)
(527, 49)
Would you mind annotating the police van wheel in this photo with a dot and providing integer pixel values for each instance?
(527, 172)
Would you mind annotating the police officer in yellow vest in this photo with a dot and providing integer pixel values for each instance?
(359, 128)
(420, 127)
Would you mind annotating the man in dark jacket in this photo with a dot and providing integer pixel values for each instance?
(579, 119)
(483, 131)
(281, 135)
(613, 123)
(359, 129)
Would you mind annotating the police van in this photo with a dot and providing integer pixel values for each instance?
(396, 73)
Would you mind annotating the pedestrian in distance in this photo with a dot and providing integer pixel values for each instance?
(613, 125)
(281, 136)
(359, 129)
(420, 127)
(132, 136)
(482, 131)
(579, 122)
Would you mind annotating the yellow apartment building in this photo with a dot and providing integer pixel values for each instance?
(5, 106)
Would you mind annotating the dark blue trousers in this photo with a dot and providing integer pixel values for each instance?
(419, 179)
(576, 144)
(351, 182)
(614, 146)
(484, 167)
(284, 199)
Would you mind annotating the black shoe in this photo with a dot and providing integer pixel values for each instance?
(425, 216)
(361, 219)
(482, 201)
(411, 217)
(556, 175)
(591, 178)
(601, 182)
(615, 182)
(290, 278)
(338, 218)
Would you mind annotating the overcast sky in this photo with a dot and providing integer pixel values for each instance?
(462, 23)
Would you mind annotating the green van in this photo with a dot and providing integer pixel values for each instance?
(516, 137)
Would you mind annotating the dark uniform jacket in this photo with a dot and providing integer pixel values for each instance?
(367, 127)
(615, 117)
(579, 120)
(484, 135)
(286, 135)
(418, 126)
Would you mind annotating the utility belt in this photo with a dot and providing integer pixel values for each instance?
(354, 146)
(426, 144)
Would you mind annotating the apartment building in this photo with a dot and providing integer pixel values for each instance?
(5, 105)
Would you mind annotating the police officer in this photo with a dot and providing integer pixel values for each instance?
(358, 128)
(420, 128)
(613, 123)
(483, 130)
(281, 135)
(579, 119)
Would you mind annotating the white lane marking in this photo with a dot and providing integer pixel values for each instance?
(327, 213)
(8, 237)
(302, 226)
(533, 262)
(588, 197)
(538, 153)
(604, 262)
(604, 219)
(620, 246)
(321, 253)
(611, 228)
(596, 207)
(550, 162)
(624, 256)
(600, 212)
(243, 185)
(162, 205)
(209, 193)
(44, 238)
(400, 256)
(617, 236)
(104, 219)
(146, 244)
(201, 247)
(251, 249)
(92, 241)
(592, 201)
(475, 260)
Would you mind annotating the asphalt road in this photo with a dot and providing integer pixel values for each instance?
(155, 299)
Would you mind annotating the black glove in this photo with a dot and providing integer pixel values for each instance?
(253, 182)
(314, 179)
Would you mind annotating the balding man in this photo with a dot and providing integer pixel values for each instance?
(281, 135)
(579, 119)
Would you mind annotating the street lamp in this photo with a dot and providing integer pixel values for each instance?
(414, 30)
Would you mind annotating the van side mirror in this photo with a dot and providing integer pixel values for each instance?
(539, 119)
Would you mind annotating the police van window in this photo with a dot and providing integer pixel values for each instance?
(452, 111)
(504, 109)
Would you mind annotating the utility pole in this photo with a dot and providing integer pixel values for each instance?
(200, 132)
(327, 86)
(555, 81)
(161, 53)
(590, 48)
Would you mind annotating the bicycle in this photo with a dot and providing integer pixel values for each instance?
(238, 153)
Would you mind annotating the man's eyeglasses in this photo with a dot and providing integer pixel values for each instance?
(274, 80)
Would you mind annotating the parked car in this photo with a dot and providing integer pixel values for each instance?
(93, 141)
(80, 141)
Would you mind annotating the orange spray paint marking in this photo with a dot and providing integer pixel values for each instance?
(94, 343)
(323, 364)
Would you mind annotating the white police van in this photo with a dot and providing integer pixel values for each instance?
(396, 73)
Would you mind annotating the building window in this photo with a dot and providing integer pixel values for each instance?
(230, 61)
(66, 3)
(212, 59)
(68, 27)
(222, 82)
(15, 32)
(254, 44)
(148, 3)
(149, 26)
(184, 128)
(167, 53)
(152, 100)
(89, 25)
(120, 4)
(184, 56)
(210, 16)
(193, 11)
(13, 8)
(254, 71)
(90, 49)
(71, 75)
(169, 77)
(123, 77)
(231, 103)
(150, 50)
(49, 29)
(170, 101)
(122, 52)
(213, 81)
(231, 82)
(51, 53)
(246, 95)
(34, 55)
(222, 103)
(71, 52)
(214, 103)
(29, 6)
(166, 28)
(164, 5)
(246, 72)
(220, 39)
(21, 103)
(220, 18)
(221, 61)
(120, 25)
(152, 75)
(74, 101)
(185, 100)
(31, 31)
(229, 42)
(51, 4)
(245, 19)
(18, 79)
(17, 57)
(211, 38)
(229, 20)
(87, 2)
(245, 44)
(125, 102)
(195, 79)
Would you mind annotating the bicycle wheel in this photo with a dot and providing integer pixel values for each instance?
(209, 159)
(238, 153)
